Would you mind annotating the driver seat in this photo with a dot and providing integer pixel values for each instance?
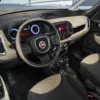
(58, 87)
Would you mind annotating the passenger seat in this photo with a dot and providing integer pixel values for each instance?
(90, 68)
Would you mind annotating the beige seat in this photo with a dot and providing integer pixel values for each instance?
(58, 87)
(90, 68)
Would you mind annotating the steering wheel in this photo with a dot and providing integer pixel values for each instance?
(46, 47)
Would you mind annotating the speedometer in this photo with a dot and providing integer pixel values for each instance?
(14, 30)
(35, 29)
(13, 33)
(29, 30)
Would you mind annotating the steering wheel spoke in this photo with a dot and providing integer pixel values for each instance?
(54, 42)
(26, 49)
(50, 34)
(44, 59)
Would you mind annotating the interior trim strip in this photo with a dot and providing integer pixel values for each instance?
(6, 95)
(10, 53)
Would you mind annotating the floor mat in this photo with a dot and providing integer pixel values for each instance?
(22, 80)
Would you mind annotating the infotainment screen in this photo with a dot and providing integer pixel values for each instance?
(64, 30)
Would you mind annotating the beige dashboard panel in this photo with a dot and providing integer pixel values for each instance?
(75, 21)
(10, 53)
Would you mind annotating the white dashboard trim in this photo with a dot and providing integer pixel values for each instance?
(75, 21)
(10, 53)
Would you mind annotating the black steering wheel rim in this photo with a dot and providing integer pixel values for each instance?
(19, 49)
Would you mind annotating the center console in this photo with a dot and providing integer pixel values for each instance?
(62, 66)
(64, 29)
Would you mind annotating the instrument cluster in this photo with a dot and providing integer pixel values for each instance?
(64, 29)
(29, 30)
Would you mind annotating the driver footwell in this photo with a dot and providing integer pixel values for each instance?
(20, 80)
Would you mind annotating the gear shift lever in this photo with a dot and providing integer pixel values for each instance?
(66, 69)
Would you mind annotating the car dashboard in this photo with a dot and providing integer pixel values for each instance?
(69, 28)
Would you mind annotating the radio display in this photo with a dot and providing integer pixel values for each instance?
(62, 30)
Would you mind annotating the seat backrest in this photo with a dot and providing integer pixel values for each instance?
(58, 87)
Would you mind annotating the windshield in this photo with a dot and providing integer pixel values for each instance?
(12, 5)
(87, 4)
(35, 4)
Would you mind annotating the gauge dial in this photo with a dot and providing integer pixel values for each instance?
(35, 29)
(13, 33)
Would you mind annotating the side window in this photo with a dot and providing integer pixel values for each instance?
(88, 4)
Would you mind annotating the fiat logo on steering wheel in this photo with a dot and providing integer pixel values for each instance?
(42, 44)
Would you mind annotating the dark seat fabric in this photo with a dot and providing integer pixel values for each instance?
(68, 89)
(91, 70)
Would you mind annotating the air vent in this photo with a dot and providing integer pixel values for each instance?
(70, 28)
(48, 15)
(79, 28)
